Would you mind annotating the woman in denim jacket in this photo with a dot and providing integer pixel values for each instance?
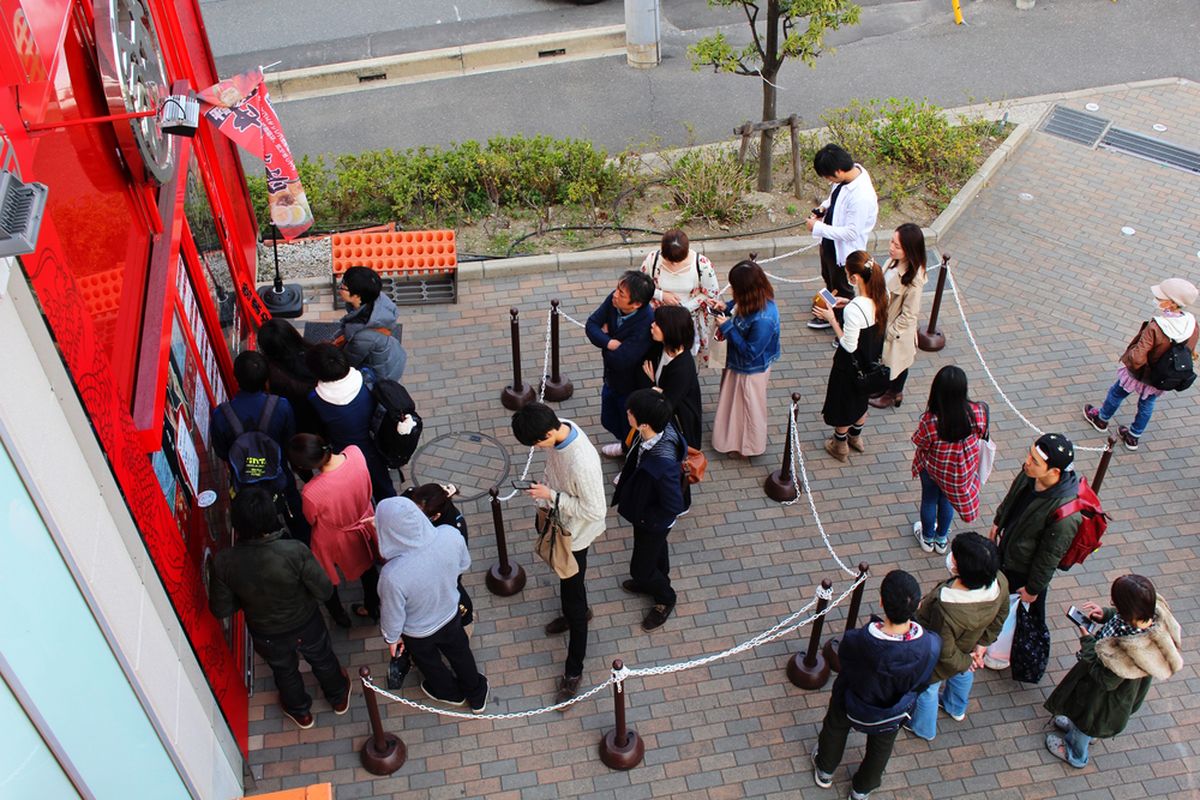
(750, 325)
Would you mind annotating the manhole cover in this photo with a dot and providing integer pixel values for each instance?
(474, 462)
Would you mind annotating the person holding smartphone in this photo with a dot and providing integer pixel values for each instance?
(1137, 641)
(574, 485)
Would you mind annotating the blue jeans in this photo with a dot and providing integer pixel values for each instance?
(953, 697)
(936, 511)
(1077, 746)
(1116, 394)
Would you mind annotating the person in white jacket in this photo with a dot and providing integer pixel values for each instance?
(843, 223)
(574, 484)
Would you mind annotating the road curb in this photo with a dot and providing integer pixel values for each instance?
(446, 62)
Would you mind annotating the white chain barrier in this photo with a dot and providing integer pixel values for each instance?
(445, 712)
(988, 371)
(541, 395)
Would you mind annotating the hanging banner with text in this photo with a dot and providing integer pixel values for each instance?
(240, 108)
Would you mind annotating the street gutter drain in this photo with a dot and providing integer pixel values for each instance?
(1151, 149)
(1075, 126)
(372, 76)
(562, 51)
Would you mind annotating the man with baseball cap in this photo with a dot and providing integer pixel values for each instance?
(1137, 374)
(1030, 540)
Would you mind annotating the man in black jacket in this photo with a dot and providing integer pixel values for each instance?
(620, 327)
(279, 584)
(650, 496)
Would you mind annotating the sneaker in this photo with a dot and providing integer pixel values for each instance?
(568, 687)
(994, 663)
(683, 513)
(614, 450)
(859, 795)
(822, 779)
(560, 625)
(303, 721)
(941, 547)
(1128, 439)
(656, 617)
(908, 728)
(1092, 415)
(955, 717)
(818, 324)
(479, 709)
(927, 546)
(343, 705)
(432, 696)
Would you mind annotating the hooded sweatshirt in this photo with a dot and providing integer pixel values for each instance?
(369, 341)
(418, 586)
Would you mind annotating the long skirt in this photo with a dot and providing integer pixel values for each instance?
(740, 424)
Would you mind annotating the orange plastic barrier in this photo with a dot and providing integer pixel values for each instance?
(395, 252)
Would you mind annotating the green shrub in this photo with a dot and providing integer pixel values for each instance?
(709, 184)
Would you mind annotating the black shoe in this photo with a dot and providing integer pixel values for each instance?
(568, 687)
(340, 617)
(1128, 439)
(631, 586)
(818, 324)
(479, 709)
(656, 617)
(461, 701)
(560, 625)
(343, 705)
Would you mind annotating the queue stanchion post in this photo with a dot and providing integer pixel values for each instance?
(517, 395)
(557, 388)
(780, 485)
(931, 340)
(810, 670)
(382, 753)
(1102, 467)
(504, 578)
(621, 748)
(830, 650)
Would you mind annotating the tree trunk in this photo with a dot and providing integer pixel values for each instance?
(770, 69)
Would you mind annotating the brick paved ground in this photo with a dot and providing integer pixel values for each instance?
(1054, 291)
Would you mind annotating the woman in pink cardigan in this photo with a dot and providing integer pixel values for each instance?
(337, 504)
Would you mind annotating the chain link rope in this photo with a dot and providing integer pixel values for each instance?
(541, 395)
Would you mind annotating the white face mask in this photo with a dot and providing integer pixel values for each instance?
(951, 567)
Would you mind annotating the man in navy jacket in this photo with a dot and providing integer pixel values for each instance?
(620, 327)
(885, 667)
(650, 496)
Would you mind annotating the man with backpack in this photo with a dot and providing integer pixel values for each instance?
(1158, 359)
(249, 432)
(1032, 535)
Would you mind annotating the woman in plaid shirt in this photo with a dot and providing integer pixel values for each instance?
(947, 458)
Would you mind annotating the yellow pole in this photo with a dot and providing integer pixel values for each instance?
(958, 20)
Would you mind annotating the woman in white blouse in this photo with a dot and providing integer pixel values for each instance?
(683, 277)
(860, 342)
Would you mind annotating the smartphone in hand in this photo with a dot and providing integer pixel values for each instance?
(829, 298)
(1081, 619)
(522, 485)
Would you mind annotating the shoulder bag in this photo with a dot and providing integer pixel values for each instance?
(987, 448)
(554, 543)
(875, 377)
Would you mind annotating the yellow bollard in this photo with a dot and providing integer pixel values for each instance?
(958, 20)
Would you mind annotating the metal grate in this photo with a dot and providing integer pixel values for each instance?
(1075, 126)
(1151, 149)
(21, 207)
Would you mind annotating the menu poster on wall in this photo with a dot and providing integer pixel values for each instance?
(200, 415)
(189, 459)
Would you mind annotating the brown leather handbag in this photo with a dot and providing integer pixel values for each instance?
(554, 543)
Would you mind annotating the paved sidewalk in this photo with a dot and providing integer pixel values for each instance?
(1054, 291)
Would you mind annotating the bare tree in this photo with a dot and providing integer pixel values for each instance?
(792, 29)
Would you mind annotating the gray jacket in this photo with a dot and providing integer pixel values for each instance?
(369, 340)
(418, 586)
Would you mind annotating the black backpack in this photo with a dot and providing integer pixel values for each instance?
(392, 404)
(1173, 372)
(254, 456)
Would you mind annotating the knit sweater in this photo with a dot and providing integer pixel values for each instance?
(574, 473)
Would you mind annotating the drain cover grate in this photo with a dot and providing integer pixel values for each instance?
(1151, 149)
(1075, 126)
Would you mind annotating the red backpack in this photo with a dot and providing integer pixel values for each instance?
(1091, 527)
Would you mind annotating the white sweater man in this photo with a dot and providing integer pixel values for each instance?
(574, 484)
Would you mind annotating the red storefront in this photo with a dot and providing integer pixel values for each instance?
(145, 242)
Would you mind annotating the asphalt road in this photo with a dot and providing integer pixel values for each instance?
(1001, 53)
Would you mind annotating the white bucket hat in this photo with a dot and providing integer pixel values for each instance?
(1180, 292)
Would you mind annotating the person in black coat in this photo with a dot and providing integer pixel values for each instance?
(620, 327)
(285, 350)
(670, 368)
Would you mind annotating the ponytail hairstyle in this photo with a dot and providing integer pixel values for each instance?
(307, 451)
(912, 242)
(859, 263)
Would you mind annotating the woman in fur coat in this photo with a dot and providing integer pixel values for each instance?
(1125, 648)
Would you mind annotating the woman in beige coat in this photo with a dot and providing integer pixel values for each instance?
(905, 278)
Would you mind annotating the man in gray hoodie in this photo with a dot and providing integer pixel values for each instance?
(367, 329)
(418, 591)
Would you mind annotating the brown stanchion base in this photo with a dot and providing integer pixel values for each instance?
(505, 584)
(806, 677)
(930, 342)
(516, 398)
(557, 391)
(778, 489)
(627, 757)
(383, 762)
(830, 652)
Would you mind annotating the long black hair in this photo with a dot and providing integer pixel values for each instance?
(285, 348)
(912, 242)
(948, 402)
